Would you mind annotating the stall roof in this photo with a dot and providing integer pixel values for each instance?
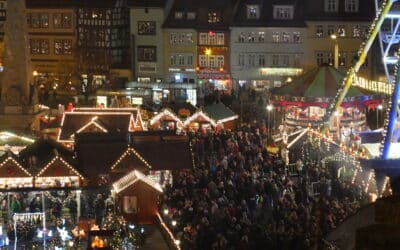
(219, 112)
(133, 177)
(373, 150)
(9, 159)
(75, 122)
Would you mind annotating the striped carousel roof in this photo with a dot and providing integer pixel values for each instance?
(324, 81)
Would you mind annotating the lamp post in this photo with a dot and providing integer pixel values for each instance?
(336, 51)
(269, 109)
(379, 108)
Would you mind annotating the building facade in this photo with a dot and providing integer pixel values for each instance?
(267, 43)
(347, 20)
(52, 39)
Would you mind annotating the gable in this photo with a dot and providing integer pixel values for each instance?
(129, 160)
(10, 168)
(199, 116)
(58, 167)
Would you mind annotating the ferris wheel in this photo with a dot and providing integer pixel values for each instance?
(385, 27)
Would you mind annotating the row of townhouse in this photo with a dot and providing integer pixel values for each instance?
(189, 48)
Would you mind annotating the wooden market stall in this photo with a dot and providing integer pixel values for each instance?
(13, 174)
(166, 119)
(58, 172)
(138, 197)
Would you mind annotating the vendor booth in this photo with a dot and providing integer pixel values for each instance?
(305, 100)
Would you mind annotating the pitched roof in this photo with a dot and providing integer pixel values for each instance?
(44, 151)
(133, 177)
(72, 122)
(10, 166)
(219, 111)
(97, 153)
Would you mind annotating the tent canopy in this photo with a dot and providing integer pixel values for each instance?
(324, 81)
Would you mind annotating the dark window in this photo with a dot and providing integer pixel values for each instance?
(147, 53)
(146, 28)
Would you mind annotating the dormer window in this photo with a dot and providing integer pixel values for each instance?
(178, 14)
(191, 15)
(331, 5)
(214, 17)
(351, 5)
(253, 12)
(283, 12)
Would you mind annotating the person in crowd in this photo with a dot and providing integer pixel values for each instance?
(99, 208)
(241, 197)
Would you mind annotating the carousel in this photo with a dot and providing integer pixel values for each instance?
(304, 101)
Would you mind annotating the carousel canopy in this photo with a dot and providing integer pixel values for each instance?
(320, 82)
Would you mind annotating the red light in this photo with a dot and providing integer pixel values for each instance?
(210, 33)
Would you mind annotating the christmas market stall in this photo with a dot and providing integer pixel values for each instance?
(138, 197)
(171, 116)
(107, 120)
(166, 119)
(58, 172)
(304, 100)
(12, 173)
(214, 116)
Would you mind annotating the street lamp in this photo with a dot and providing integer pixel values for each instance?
(269, 109)
(336, 51)
(379, 108)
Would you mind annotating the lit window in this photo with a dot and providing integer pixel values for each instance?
(203, 60)
(283, 12)
(181, 60)
(319, 31)
(39, 46)
(62, 47)
(191, 15)
(178, 15)
(356, 31)
(189, 37)
(203, 38)
(331, 5)
(241, 37)
(212, 38)
(220, 61)
(252, 37)
(147, 54)
(173, 38)
(190, 60)
(342, 31)
(276, 37)
(220, 39)
(296, 37)
(261, 36)
(214, 17)
(211, 61)
(285, 37)
(253, 12)
(172, 60)
(351, 5)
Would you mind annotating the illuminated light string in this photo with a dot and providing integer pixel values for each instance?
(127, 152)
(132, 178)
(198, 114)
(164, 113)
(93, 121)
(362, 54)
(9, 134)
(16, 163)
(64, 162)
(370, 176)
(168, 231)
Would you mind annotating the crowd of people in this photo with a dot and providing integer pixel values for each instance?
(239, 196)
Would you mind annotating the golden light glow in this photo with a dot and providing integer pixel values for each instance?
(208, 51)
